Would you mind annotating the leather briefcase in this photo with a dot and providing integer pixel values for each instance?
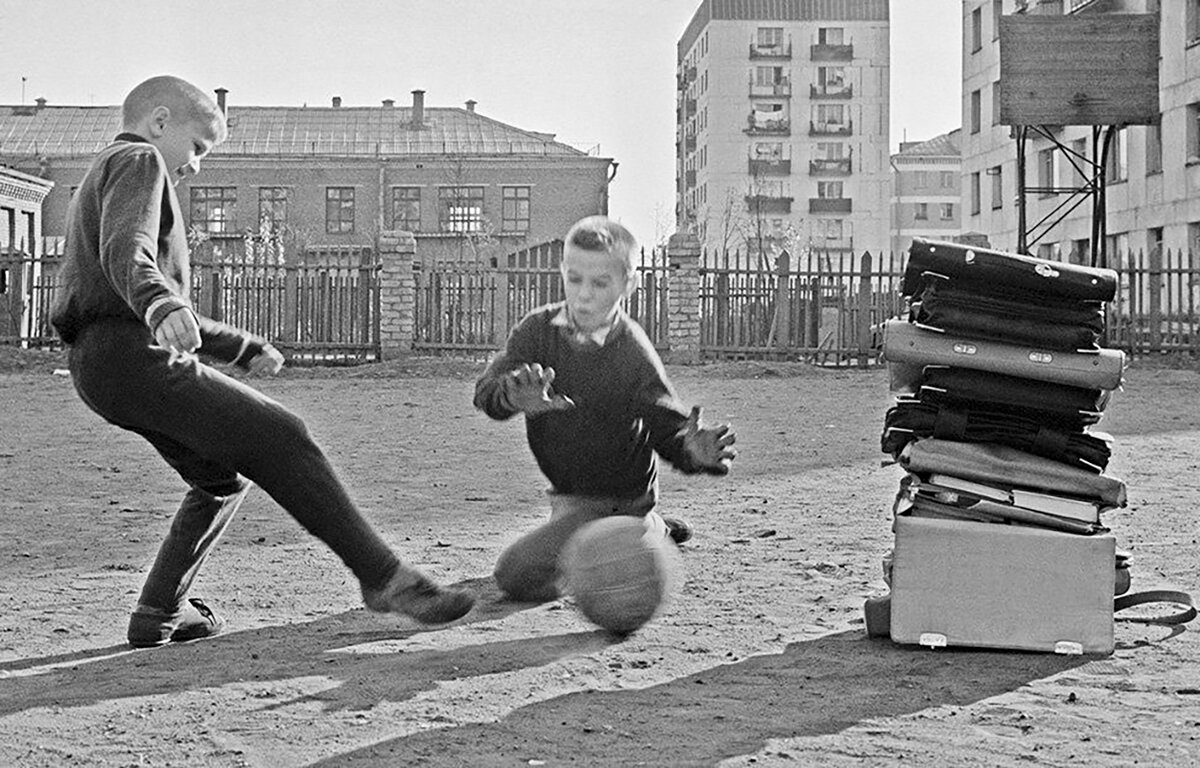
(983, 267)
(1007, 467)
(998, 315)
(910, 420)
(1064, 407)
(909, 343)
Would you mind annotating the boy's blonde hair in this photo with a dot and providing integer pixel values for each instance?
(600, 233)
(178, 95)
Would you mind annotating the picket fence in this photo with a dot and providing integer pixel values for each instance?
(818, 307)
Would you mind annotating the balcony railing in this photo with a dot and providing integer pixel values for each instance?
(759, 166)
(769, 203)
(830, 91)
(829, 205)
(780, 126)
(777, 51)
(830, 129)
(781, 88)
(827, 52)
(822, 167)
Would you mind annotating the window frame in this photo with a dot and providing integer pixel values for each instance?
(510, 198)
(275, 204)
(456, 212)
(203, 198)
(400, 195)
(336, 208)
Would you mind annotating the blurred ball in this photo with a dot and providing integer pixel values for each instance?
(619, 571)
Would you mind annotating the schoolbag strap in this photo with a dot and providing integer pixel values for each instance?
(1183, 599)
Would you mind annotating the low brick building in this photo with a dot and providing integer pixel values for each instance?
(468, 186)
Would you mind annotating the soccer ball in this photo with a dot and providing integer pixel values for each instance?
(619, 571)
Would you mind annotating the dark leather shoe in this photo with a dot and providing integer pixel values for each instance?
(150, 628)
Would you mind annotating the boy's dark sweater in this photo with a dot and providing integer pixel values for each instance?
(127, 252)
(625, 408)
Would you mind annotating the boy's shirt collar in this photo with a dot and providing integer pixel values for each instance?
(598, 337)
(127, 136)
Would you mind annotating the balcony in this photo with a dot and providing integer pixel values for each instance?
(781, 51)
(829, 205)
(827, 52)
(769, 166)
(777, 126)
(689, 140)
(689, 178)
(830, 129)
(689, 104)
(768, 204)
(830, 91)
(822, 167)
(685, 76)
(782, 88)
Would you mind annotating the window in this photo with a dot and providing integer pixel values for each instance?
(8, 228)
(1045, 170)
(214, 209)
(1192, 21)
(829, 150)
(997, 186)
(1154, 239)
(829, 189)
(272, 207)
(1047, 251)
(1081, 251)
(406, 209)
(831, 80)
(996, 103)
(514, 210)
(1117, 166)
(832, 229)
(997, 12)
(920, 211)
(976, 107)
(770, 37)
(768, 150)
(976, 30)
(460, 209)
(339, 210)
(831, 115)
(1193, 237)
(947, 211)
(920, 179)
(1154, 148)
(946, 179)
(1193, 132)
(769, 76)
(975, 193)
(1080, 161)
(831, 36)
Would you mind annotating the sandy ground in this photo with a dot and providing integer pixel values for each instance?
(761, 657)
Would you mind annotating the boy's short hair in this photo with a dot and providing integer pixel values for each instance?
(177, 95)
(600, 233)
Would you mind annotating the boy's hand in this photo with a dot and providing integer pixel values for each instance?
(709, 447)
(178, 332)
(527, 389)
(268, 361)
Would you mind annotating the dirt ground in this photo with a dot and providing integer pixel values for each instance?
(761, 657)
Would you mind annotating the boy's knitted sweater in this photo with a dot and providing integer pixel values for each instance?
(127, 252)
(625, 407)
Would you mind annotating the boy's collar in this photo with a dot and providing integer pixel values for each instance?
(562, 319)
(127, 136)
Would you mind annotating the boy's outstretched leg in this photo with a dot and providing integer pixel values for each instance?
(414, 594)
(163, 613)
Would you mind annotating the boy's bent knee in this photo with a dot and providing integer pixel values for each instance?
(524, 581)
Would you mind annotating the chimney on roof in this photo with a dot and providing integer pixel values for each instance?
(221, 98)
(41, 102)
(337, 101)
(418, 108)
(471, 105)
(389, 103)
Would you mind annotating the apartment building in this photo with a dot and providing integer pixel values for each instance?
(469, 187)
(1153, 171)
(782, 125)
(926, 190)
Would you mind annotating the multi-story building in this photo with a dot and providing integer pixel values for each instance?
(21, 197)
(782, 124)
(468, 186)
(926, 190)
(1152, 173)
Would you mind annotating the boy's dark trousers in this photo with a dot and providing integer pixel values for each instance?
(212, 429)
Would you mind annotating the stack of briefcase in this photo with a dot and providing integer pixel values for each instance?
(999, 381)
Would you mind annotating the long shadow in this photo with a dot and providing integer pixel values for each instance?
(282, 652)
(814, 687)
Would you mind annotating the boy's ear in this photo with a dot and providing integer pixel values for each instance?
(159, 117)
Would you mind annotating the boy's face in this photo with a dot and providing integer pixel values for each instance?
(182, 142)
(594, 282)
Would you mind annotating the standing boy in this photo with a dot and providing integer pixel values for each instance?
(598, 408)
(133, 338)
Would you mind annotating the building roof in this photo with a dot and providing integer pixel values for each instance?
(342, 131)
(945, 145)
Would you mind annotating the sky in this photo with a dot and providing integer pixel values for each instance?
(598, 75)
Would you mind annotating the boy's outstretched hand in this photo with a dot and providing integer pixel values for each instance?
(528, 390)
(709, 447)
